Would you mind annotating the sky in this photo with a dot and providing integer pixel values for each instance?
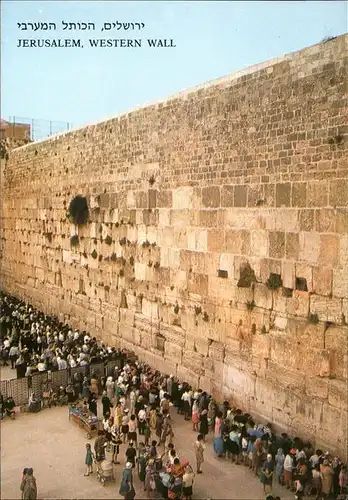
(87, 85)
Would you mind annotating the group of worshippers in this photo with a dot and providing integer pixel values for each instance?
(31, 341)
(292, 463)
(136, 413)
(42, 342)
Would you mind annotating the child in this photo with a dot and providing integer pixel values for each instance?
(89, 460)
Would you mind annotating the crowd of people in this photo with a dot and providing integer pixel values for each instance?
(136, 402)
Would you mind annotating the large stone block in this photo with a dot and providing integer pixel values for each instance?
(259, 244)
(327, 309)
(329, 250)
(237, 242)
(215, 240)
(276, 244)
(338, 193)
(340, 282)
(309, 247)
(182, 198)
(283, 195)
(211, 197)
(322, 280)
(317, 194)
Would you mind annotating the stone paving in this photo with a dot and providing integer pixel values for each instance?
(55, 448)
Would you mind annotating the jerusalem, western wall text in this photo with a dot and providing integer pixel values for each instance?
(95, 42)
(54, 43)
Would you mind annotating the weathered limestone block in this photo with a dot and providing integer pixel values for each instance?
(164, 219)
(337, 393)
(317, 387)
(202, 346)
(329, 250)
(198, 283)
(309, 247)
(193, 361)
(338, 193)
(327, 309)
(237, 241)
(182, 198)
(343, 250)
(262, 296)
(288, 274)
(340, 282)
(305, 271)
(173, 258)
(180, 237)
(322, 280)
(298, 305)
(178, 278)
(149, 309)
(181, 218)
(173, 352)
(215, 240)
(201, 237)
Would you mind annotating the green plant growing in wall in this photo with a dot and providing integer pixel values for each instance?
(145, 244)
(313, 318)
(131, 260)
(156, 265)
(152, 180)
(176, 308)
(263, 329)
(84, 255)
(78, 210)
(274, 281)
(121, 273)
(113, 257)
(250, 305)
(100, 258)
(150, 263)
(74, 240)
(205, 317)
(108, 240)
(94, 254)
(253, 329)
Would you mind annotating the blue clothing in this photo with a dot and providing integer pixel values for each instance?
(218, 446)
(89, 458)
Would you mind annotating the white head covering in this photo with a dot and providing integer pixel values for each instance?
(129, 465)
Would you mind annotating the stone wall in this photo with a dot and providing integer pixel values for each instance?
(209, 199)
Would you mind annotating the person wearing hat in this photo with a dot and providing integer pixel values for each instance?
(127, 488)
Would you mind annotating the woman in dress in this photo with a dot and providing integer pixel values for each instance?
(127, 488)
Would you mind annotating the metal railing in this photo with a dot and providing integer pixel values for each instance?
(38, 382)
(32, 129)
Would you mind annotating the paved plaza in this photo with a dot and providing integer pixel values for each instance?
(55, 448)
